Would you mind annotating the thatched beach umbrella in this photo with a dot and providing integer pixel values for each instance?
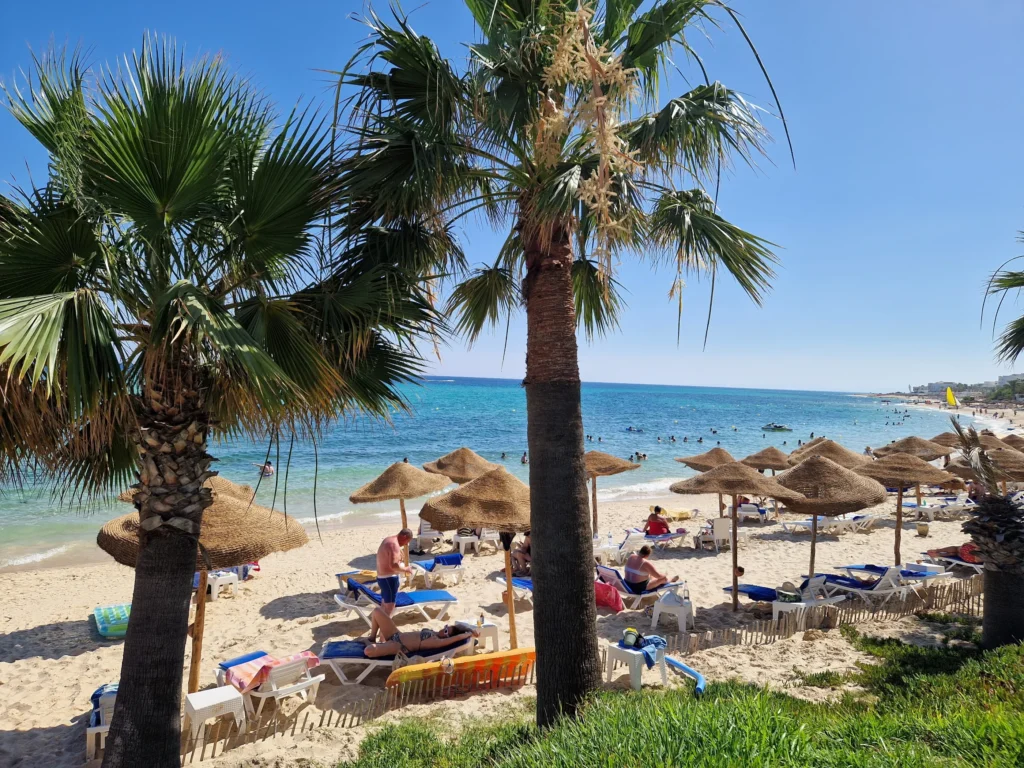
(800, 450)
(829, 490)
(734, 479)
(901, 469)
(234, 532)
(991, 442)
(768, 458)
(600, 464)
(1014, 441)
(496, 499)
(703, 462)
(830, 450)
(948, 439)
(925, 450)
(400, 481)
(461, 465)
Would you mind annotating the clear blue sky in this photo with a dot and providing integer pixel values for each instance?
(906, 118)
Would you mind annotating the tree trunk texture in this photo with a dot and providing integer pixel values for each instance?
(899, 526)
(568, 661)
(146, 726)
(1002, 620)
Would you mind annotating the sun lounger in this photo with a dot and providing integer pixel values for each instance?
(522, 587)
(863, 523)
(222, 668)
(290, 678)
(363, 577)
(826, 525)
(102, 701)
(438, 569)
(659, 540)
(750, 512)
(427, 538)
(884, 587)
(112, 620)
(339, 654)
(366, 600)
(720, 534)
(488, 536)
(631, 599)
(911, 572)
(953, 562)
(812, 595)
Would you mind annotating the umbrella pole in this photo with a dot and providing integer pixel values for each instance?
(509, 601)
(197, 635)
(1004, 487)
(593, 502)
(720, 505)
(735, 557)
(899, 522)
(918, 489)
(814, 541)
(405, 549)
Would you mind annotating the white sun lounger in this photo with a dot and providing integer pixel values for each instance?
(99, 719)
(366, 600)
(437, 570)
(719, 536)
(631, 599)
(884, 587)
(290, 679)
(826, 525)
(522, 587)
(428, 538)
(949, 563)
(339, 654)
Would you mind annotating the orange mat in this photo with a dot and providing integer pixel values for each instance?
(484, 670)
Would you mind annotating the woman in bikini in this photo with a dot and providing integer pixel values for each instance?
(641, 575)
(394, 641)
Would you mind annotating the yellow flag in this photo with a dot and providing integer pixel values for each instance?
(951, 398)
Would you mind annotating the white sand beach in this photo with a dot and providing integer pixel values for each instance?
(51, 658)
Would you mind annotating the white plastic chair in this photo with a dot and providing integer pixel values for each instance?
(99, 731)
(720, 534)
(488, 536)
(291, 679)
(427, 538)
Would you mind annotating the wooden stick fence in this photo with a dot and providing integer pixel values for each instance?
(962, 597)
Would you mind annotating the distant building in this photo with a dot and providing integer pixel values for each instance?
(1010, 377)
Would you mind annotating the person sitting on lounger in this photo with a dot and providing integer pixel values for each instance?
(521, 557)
(641, 575)
(394, 641)
(656, 524)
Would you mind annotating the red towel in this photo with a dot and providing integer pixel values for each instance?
(608, 596)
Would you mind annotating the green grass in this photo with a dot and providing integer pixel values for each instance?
(948, 706)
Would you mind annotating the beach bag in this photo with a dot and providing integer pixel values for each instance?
(607, 596)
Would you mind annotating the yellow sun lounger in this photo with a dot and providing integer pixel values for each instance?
(484, 671)
(675, 516)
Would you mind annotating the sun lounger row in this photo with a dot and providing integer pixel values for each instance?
(361, 600)
(832, 525)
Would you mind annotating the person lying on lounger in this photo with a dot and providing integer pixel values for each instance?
(641, 575)
(394, 641)
(967, 552)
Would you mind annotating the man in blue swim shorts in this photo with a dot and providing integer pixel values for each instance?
(389, 566)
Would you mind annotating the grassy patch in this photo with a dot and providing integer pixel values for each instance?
(925, 707)
(825, 679)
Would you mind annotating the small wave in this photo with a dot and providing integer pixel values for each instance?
(37, 557)
(638, 491)
(323, 518)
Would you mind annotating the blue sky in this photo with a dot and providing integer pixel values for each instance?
(906, 119)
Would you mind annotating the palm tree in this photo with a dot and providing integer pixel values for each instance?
(554, 131)
(169, 283)
(996, 525)
(1011, 341)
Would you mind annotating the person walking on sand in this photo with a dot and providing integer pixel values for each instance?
(389, 565)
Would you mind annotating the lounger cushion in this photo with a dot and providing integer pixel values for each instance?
(348, 649)
(405, 599)
(755, 592)
(522, 582)
(451, 559)
(241, 659)
(849, 581)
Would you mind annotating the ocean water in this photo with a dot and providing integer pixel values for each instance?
(489, 416)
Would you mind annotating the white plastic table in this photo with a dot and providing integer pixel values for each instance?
(673, 605)
(635, 661)
(488, 632)
(218, 579)
(215, 702)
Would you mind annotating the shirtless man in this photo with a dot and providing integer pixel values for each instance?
(389, 565)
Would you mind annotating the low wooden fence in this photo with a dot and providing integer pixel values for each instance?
(961, 597)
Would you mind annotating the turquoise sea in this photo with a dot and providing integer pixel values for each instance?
(488, 415)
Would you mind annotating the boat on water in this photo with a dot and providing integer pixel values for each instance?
(771, 426)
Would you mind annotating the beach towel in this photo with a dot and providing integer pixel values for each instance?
(649, 647)
(251, 674)
(608, 596)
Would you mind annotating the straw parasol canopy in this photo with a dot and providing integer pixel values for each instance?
(768, 458)
(702, 462)
(990, 441)
(915, 446)
(600, 464)
(1014, 441)
(234, 532)
(802, 449)
(461, 465)
(734, 479)
(1009, 461)
(962, 468)
(496, 499)
(399, 481)
(831, 450)
(900, 469)
(948, 439)
(829, 490)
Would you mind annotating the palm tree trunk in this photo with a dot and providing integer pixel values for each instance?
(1002, 620)
(146, 726)
(568, 662)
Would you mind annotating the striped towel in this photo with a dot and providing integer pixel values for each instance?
(251, 674)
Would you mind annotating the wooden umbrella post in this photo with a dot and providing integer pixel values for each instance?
(899, 521)
(197, 635)
(593, 502)
(735, 558)
(918, 489)
(720, 505)
(405, 549)
(814, 541)
(506, 542)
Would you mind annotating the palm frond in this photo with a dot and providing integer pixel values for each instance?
(985, 470)
(597, 298)
(484, 299)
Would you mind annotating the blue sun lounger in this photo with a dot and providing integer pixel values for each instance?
(438, 568)
(112, 620)
(522, 587)
(362, 600)
(339, 654)
(754, 592)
